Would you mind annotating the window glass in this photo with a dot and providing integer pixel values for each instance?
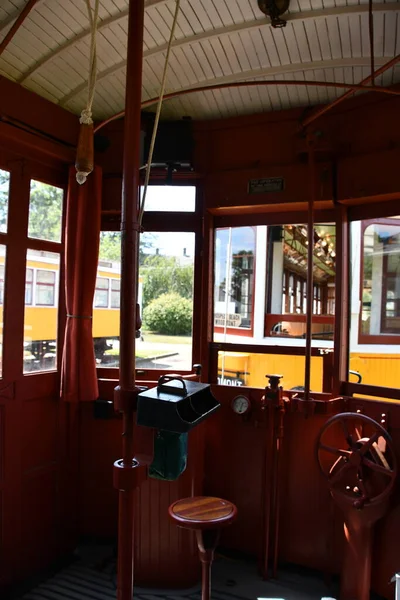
(45, 292)
(2, 283)
(168, 198)
(381, 279)
(235, 250)
(375, 302)
(165, 295)
(29, 286)
(45, 212)
(115, 293)
(286, 305)
(2, 288)
(101, 293)
(106, 322)
(249, 369)
(4, 194)
(41, 312)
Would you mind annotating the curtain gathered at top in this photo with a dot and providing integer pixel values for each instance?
(78, 372)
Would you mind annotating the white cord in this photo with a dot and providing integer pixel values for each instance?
(158, 112)
(86, 115)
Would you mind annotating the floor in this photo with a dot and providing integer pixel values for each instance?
(232, 580)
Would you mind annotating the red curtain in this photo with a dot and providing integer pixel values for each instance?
(78, 373)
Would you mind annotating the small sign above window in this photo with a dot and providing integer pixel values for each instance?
(265, 186)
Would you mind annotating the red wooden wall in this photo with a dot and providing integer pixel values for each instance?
(38, 434)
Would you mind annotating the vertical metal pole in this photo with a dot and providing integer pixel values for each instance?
(310, 263)
(126, 393)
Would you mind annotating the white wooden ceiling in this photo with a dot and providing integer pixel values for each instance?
(216, 41)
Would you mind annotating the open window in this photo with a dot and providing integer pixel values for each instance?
(375, 304)
(260, 302)
(165, 286)
(380, 282)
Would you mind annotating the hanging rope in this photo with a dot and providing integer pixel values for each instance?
(158, 112)
(85, 154)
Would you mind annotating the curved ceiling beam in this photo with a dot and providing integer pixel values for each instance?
(14, 16)
(238, 84)
(246, 26)
(17, 24)
(253, 74)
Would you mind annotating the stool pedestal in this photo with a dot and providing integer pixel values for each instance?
(206, 516)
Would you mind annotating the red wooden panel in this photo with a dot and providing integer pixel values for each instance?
(234, 468)
(40, 415)
(39, 521)
(2, 442)
(165, 556)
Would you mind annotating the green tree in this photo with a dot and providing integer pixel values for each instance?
(164, 275)
(110, 246)
(45, 211)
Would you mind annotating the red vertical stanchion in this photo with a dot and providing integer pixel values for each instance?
(125, 398)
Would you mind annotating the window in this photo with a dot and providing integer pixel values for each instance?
(287, 282)
(45, 212)
(4, 193)
(2, 284)
(235, 250)
(379, 263)
(249, 369)
(41, 311)
(375, 301)
(167, 198)
(101, 293)
(165, 296)
(115, 293)
(45, 288)
(29, 286)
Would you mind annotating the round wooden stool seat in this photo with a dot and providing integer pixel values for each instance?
(206, 515)
(203, 512)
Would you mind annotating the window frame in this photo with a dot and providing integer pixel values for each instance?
(173, 222)
(239, 331)
(366, 338)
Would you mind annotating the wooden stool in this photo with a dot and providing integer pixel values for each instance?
(205, 516)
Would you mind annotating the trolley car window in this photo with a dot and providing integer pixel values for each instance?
(234, 280)
(41, 311)
(165, 296)
(1, 284)
(286, 303)
(4, 193)
(101, 293)
(115, 293)
(45, 288)
(375, 301)
(168, 198)
(45, 212)
(29, 286)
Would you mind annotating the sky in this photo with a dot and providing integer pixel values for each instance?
(171, 198)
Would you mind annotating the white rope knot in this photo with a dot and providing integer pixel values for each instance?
(86, 117)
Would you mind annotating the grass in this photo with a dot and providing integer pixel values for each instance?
(155, 338)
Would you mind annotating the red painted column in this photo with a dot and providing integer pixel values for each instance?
(126, 393)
